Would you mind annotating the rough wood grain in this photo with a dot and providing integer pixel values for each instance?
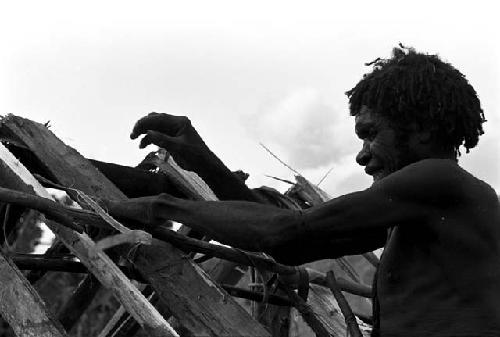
(75, 171)
(326, 310)
(66, 165)
(113, 278)
(167, 273)
(22, 307)
(189, 182)
(191, 186)
(95, 259)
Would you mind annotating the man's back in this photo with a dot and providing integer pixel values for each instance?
(442, 278)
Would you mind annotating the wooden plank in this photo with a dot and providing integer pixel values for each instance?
(22, 307)
(94, 258)
(188, 182)
(71, 169)
(327, 311)
(63, 162)
(167, 274)
(195, 187)
(192, 186)
(274, 317)
(113, 278)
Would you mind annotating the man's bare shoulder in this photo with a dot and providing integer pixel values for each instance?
(426, 172)
(436, 181)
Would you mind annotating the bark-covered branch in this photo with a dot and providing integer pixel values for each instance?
(65, 264)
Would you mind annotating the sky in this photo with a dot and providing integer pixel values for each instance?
(245, 73)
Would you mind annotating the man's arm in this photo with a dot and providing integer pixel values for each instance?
(350, 224)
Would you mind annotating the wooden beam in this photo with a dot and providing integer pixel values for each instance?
(22, 307)
(40, 262)
(193, 186)
(92, 257)
(70, 169)
(327, 311)
(188, 182)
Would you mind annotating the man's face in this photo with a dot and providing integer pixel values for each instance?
(381, 153)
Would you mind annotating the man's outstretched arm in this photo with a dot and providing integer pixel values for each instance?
(350, 224)
(247, 225)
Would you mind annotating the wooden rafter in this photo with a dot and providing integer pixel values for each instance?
(210, 307)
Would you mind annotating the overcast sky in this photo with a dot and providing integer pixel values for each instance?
(244, 72)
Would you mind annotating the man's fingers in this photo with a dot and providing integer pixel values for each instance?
(157, 138)
(163, 123)
(140, 126)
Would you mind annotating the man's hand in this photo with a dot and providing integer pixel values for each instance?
(173, 133)
(181, 140)
(176, 135)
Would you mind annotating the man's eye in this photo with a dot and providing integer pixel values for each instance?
(367, 134)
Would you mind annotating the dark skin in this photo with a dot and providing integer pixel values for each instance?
(439, 274)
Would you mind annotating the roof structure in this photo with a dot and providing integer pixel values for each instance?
(153, 281)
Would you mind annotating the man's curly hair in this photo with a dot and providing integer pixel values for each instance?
(414, 87)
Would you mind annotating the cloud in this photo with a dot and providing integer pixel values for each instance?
(304, 129)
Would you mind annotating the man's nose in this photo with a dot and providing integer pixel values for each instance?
(364, 156)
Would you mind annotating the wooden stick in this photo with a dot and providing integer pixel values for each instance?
(56, 249)
(39, 262)
(41, 204)
(350, 319)
(115, 322)
(307, 313)
(22, 307)
(130, 237)
(82, 296)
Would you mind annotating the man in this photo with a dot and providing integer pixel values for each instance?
(439, 274)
